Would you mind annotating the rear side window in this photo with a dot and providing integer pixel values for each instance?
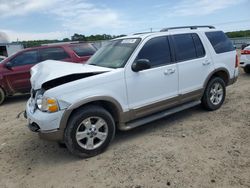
(188, 46)
(83, 50)
(25, 58)
(220, 42)
(53, 54)
(200, 51)
(157, 51)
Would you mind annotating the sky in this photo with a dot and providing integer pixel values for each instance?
(58, 19)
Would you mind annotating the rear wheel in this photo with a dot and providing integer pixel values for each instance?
(247, 69)
(89, 131)
(2, 95)
(214, 94)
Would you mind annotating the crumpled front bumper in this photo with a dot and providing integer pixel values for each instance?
(45, 124)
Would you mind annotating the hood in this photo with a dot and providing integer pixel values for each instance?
(53, 73)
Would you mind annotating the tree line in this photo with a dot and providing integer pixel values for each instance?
(75, 37)
(83, 38)
(236, 34)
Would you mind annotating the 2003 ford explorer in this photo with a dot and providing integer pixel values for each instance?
(131, 81)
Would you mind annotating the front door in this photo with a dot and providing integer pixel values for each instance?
(18, 75)
(153, 89)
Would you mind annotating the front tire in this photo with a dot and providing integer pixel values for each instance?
(2, 95)
(89, 131)
(214, 94)
(247, 69)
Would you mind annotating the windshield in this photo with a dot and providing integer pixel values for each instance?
(115, 54)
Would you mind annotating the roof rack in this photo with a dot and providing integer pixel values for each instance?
(142, 33)
(190, 27)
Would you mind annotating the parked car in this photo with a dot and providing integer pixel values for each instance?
(130, 82)
(245, 59)
(15, 70)
(2, 58)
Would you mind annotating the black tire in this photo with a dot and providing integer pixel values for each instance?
(74, 123)
(247, 69)
(2, 95)
(206, 99)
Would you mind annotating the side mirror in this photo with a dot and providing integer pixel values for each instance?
(141, 64)
(8, 65)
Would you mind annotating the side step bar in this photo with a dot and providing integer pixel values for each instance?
(148, 119)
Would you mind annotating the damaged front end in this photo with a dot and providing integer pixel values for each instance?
(66, 79)
(46, 106)
(51, 73)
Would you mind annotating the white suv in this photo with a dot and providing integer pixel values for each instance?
(129, 82)
(245, 59)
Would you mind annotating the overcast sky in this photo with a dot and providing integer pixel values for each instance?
(57, 19)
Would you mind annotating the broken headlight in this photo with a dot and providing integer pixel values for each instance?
(47, 104)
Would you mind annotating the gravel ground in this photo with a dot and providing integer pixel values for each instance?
(193, 148)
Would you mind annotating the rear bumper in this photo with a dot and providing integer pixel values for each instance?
(233, 80)
(235, 77)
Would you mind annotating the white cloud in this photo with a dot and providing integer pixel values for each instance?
(22, 7)
(74, 15)
(201, 7)
(22, 36)
(83, 16)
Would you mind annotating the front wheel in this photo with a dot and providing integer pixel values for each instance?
(89, 131)
(214, 94)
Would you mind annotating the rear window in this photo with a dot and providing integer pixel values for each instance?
(84, 50)
(220, 42)
(56, 53)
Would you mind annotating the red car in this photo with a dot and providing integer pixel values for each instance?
(15, 70)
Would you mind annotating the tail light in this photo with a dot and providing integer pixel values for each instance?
(245, 52)
(236, 61)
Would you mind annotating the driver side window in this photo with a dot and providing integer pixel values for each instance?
(25, 58)
(157, 51)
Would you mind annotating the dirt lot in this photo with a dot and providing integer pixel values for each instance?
(193, 148)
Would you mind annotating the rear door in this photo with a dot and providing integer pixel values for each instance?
(18, 76)
(193, 61)
(54, 53)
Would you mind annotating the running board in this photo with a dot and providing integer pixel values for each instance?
(148, 119)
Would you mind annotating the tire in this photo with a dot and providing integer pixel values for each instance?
(90, 123)
(247, 69)
(2, 95)
(214, 94)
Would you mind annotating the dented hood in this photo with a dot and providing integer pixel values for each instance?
(52, 70)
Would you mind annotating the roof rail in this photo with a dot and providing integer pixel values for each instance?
(143, 33)
(190, 27)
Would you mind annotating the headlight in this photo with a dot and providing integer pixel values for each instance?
(47, 104)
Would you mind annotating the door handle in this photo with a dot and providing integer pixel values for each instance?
(206, 62)
(169, 71)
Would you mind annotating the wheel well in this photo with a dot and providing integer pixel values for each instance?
(109, 106)
(223, 75)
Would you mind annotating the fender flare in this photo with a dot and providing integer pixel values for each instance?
(68, 112)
